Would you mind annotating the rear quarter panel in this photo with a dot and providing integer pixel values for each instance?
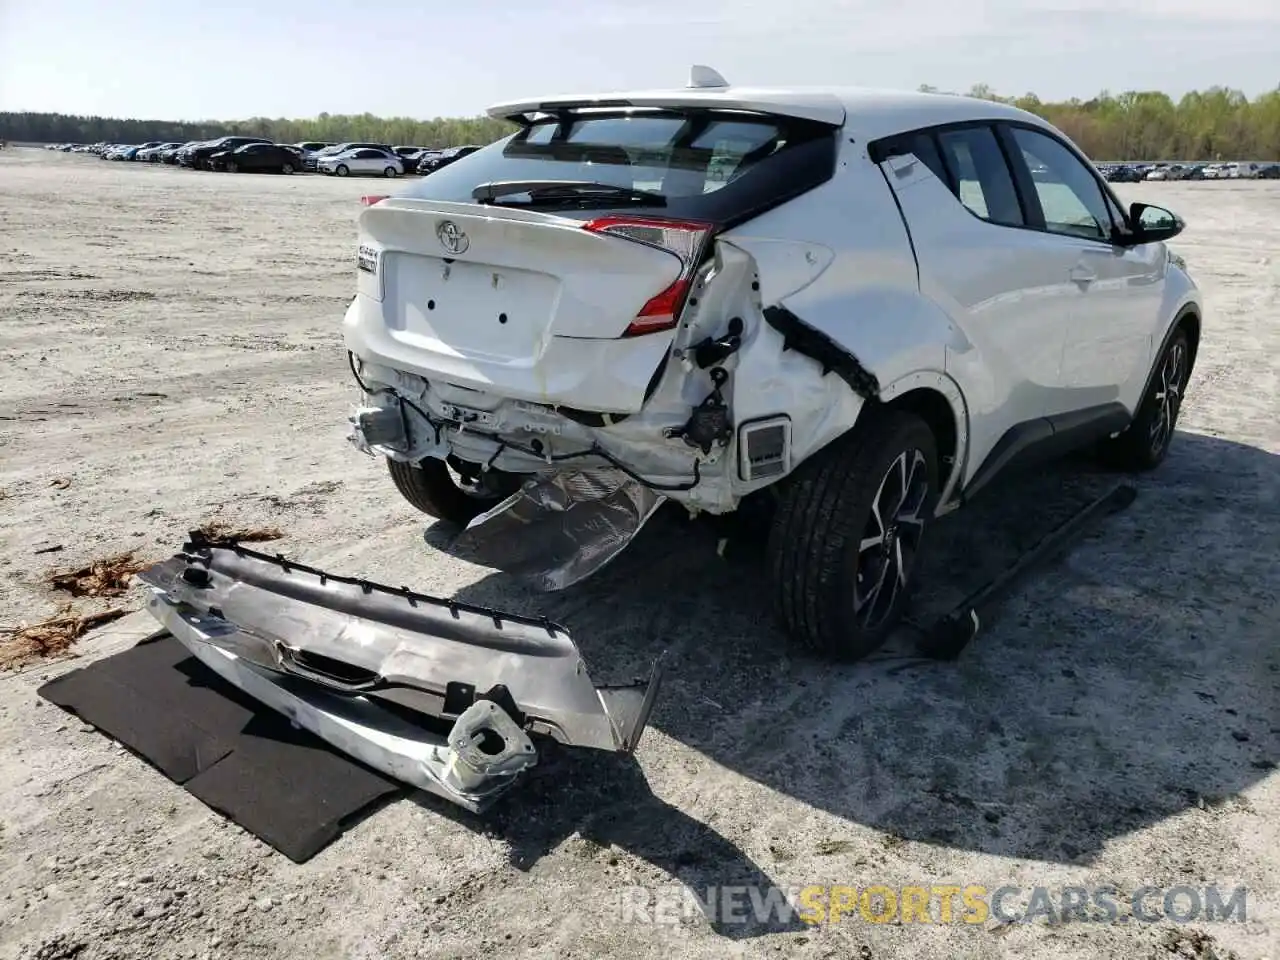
(868, 299)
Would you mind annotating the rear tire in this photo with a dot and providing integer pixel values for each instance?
(391, 173)
(1145, 444)
(429, 486)
(848, 532)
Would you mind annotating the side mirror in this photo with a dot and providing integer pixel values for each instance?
(1153, 224)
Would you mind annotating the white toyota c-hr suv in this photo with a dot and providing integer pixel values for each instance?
(854, 307)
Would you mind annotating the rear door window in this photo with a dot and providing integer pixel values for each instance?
(706, 165)
(979, 175)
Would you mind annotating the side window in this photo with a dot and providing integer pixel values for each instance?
(979, 175)
(925, 149)
(1072, 199)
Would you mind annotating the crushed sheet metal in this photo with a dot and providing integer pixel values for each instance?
(343, 658)
(560, 529)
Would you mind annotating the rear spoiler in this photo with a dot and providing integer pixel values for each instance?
(819, 107)
(442, 695)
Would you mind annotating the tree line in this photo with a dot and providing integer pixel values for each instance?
(332, 128)
(1214, 124)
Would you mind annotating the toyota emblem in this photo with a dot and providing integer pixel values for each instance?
(451, 237)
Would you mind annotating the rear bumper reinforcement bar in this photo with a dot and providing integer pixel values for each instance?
(442, 695)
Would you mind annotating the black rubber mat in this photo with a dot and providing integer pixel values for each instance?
(249, 763)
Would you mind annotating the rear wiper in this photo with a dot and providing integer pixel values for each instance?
(564, 190)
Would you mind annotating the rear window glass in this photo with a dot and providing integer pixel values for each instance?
(686, 158)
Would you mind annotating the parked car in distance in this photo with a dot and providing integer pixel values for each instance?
(712, 335)
(443, 158)
(411, 160)
(335, 149)
(366, 161)
(199, 155)
(1242, 170)
(152, 154)
(308, 150)
(132, 152)
(258, 158)
(1270, 172)
(183, 157)
(171, 155)
(421, 164)
(1124, 174)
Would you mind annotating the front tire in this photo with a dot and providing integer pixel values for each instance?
(849, 529)
(430, 487)
(286, 169)
(1145, 444)
(341, 170)
(391, 173)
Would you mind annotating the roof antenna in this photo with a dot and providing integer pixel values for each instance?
(704, 76)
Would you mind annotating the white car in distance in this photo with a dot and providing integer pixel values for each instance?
(851, 308)
(362, 161)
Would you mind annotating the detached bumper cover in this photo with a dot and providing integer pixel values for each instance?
(439, 694)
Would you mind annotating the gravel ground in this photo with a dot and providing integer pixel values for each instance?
(172, 356)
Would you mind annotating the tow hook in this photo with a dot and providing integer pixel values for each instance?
(709, 425)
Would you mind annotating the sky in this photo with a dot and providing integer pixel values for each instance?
(230, 59)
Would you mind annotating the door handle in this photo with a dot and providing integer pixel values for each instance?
(1082, 274)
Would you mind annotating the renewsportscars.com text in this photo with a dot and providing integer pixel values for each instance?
(971, 904)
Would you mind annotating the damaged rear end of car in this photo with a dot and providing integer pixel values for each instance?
(677, 296)
(587, 299)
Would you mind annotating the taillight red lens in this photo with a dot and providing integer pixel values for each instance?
(369, 201)
(685, 238)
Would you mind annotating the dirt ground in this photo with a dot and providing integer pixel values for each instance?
(171, 356)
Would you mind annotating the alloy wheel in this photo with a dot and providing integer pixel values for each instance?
(891, 538)
(1168, 396)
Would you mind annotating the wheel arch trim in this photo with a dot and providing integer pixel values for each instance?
(1192, 310)
(941, 383)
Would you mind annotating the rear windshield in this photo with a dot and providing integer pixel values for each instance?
(707, 165)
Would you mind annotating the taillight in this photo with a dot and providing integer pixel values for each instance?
(686, 239)
(369, 201)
